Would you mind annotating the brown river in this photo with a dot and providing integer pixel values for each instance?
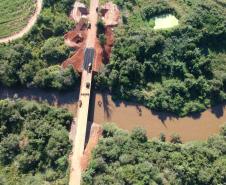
(129, 115)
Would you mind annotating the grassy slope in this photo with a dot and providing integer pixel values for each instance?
(14, 15)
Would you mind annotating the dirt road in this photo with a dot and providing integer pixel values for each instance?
(27, 28)
(84, 97)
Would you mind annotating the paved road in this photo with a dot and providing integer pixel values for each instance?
(88, 57)
(79, 139)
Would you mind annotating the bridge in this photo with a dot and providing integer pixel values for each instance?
(84, 98)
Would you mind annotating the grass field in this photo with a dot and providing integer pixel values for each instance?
(14, 15)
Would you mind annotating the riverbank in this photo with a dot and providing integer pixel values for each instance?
(66, 99)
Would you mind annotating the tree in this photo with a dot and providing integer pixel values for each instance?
(56, 78)
(102, 39)
(9, 148)
(54, 51)
(223, 130)
(162, 137)
(175, 138)
(100, 27)
(139, 134)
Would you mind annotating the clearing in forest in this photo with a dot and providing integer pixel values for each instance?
(14, 15)
(165, 21)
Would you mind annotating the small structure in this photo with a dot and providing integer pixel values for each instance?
(75, 37)
(79, 11)
(110, 14)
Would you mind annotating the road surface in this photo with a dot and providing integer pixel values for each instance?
(84, 97)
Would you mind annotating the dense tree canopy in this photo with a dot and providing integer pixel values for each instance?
(121, 158)
(56, 78)
(180, 70)
(34, 143)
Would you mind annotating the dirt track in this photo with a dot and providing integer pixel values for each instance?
(27, 28)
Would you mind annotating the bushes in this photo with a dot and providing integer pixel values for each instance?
(156, 162)
(155, 9)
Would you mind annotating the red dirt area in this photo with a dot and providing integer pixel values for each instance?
(95, 135)
(103, 53)
(76, 39)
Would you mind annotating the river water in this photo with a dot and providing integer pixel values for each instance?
(129, 115)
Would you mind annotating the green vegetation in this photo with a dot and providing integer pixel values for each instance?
(14, 15)
(121, 158)
(23, 61)
(56, 78)
(34, 143)
(179, 70)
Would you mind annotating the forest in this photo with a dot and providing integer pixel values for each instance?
(123, 158)
(26, 61)
(179, 70)
(34, 143)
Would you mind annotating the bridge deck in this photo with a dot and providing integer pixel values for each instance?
(84, 97)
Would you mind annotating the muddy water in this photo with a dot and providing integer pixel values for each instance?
(128, 116)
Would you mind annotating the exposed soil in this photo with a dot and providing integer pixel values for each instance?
(103, 54)
(77, 39)
(28, 27)
(95, 135)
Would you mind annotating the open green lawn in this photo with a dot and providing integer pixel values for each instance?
(14, 15)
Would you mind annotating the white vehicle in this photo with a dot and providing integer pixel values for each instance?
(89, 67)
